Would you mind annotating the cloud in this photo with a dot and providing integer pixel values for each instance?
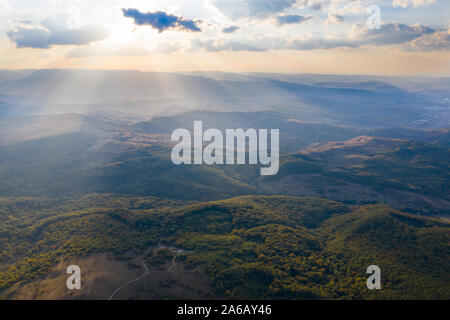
(30, 38)
(291, 19)
(390, 33)
(170, 46)
(4, 4)
(355, 7)
(414, 37)
(334, 18)
(439, 41)
(55, 31)
(252, 44)
(231, 29)
(232, 46)
(236, 9)
(126, 51)
(316, 5)
(408, 3)
(314, 44)
(161, 21)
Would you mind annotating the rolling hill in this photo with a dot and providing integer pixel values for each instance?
(87, 179)
(100, 155)
(246, 247)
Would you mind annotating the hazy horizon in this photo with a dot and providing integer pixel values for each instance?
(212, 71)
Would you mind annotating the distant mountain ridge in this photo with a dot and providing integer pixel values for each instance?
(138, 94)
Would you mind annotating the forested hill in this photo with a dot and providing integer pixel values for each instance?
(254, 247)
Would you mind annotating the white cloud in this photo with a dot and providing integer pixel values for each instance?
(405, 36)
(389, 33)
(414, 3)
(219, 16)
(440, 40)
(334, 18)
(350, 7)
(54, 30)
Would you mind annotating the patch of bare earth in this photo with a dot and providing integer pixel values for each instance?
(103, 274)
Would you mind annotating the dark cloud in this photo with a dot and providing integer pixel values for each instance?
(231, 29)
(291, 19)
(55, 31)
(161, 20)
(29, 38)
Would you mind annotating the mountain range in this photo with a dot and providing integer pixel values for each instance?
(87, 179)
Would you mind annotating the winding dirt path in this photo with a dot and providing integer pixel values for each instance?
(175, 251)
(131, 281)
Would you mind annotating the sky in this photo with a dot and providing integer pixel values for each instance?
(389, 37)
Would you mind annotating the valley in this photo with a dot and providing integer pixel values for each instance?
(88, 180)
